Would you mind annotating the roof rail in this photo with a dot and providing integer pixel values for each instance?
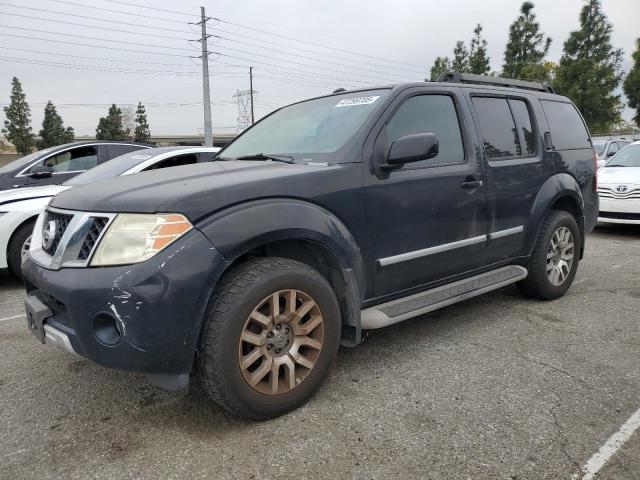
(456, 77)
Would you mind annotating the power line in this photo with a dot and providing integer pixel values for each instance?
(315, 44)
(220, 30)
(113, 10)
(282, 69)
(147, 7)
(364, 62)
(97, 27)
(86, 17)
(377, 79)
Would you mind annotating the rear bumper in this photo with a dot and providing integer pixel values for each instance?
(157, 307)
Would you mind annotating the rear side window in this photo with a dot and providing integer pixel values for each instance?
(500, 135)
(117, 150)
(176, 161)
(430, 114)
(568, 131)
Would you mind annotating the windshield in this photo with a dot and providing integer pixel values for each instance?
(599, 147)
(317, 126)
(22, 162)
(627, 157)
(110, 169)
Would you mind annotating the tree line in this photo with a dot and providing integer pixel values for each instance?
(589, 71)
(114, 126)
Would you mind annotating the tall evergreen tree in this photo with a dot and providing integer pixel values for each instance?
(53, 132)
(460, 58)
(527, 45)
(141, 133)
(478, 58)
(17, 126)
(440, 65)
(590, 69)
(631, 84)
(110, 127)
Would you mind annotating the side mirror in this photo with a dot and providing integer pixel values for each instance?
(411, 148)
(41, 171)
(610, 154)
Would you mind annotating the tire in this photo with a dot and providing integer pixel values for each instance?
(14, 252)
(247, 292)
(540, 283)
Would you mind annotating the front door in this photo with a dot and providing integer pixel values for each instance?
(427, 220)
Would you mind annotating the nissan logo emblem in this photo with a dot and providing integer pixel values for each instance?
(48, 234)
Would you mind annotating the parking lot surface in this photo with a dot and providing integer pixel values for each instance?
(495, 387)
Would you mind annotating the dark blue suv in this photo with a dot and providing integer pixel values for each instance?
(330, 216)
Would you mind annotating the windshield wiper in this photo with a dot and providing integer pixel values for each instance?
(615, 165)
(267, 156)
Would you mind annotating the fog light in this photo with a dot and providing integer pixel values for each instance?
(105, 329)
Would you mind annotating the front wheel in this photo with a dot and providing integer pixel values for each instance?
(555, 258)
(271, 333)
(19, 247)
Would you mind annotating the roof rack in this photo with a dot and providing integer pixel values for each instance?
(456, 77)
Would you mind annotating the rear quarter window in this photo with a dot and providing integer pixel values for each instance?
(568, 131)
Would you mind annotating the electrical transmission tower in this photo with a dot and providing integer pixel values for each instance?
(243, 99)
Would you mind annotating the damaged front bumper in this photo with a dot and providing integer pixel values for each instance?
(144, 317)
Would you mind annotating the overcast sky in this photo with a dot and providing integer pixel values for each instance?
(369, 39)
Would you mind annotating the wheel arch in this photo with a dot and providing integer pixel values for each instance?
(24, 222)
(559, 192)
(299, 231)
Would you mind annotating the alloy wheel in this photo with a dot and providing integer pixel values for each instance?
(25, 248)
(281, 342)
(560, 255)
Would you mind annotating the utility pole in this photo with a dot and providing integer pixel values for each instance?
(251, 90)
(206, 94)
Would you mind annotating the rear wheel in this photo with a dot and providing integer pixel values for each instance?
(555, 258)
(19, 247)
(270, 336)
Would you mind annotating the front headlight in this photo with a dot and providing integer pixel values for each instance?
(135, 237)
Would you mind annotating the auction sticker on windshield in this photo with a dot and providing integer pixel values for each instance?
(349, 102)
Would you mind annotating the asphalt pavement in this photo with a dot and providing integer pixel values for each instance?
(496, 387)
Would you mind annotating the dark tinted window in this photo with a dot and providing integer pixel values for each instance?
(499, 131)
(117, 150)
(567, 128)
(174, 161)
(523, 122)
(430, 114)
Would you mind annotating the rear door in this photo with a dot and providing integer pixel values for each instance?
(427, 219)
(516, 165)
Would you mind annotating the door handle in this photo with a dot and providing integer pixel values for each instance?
(471, 184)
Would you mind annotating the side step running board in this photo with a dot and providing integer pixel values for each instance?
(430, 300)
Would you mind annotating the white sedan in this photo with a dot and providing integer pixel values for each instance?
(20, 207)
(619, 187)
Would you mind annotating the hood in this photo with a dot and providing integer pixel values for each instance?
(619, 175)
(194, 190)
(27, 193)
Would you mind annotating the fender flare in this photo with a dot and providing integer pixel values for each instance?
(241, 228)
(556, 187)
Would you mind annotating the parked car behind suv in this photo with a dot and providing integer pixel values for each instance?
(19, 208)
(607, 149)
(56, 165)
(330, 216)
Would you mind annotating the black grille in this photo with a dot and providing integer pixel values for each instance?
(97, 226)
(61, 221)
(620, 215)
